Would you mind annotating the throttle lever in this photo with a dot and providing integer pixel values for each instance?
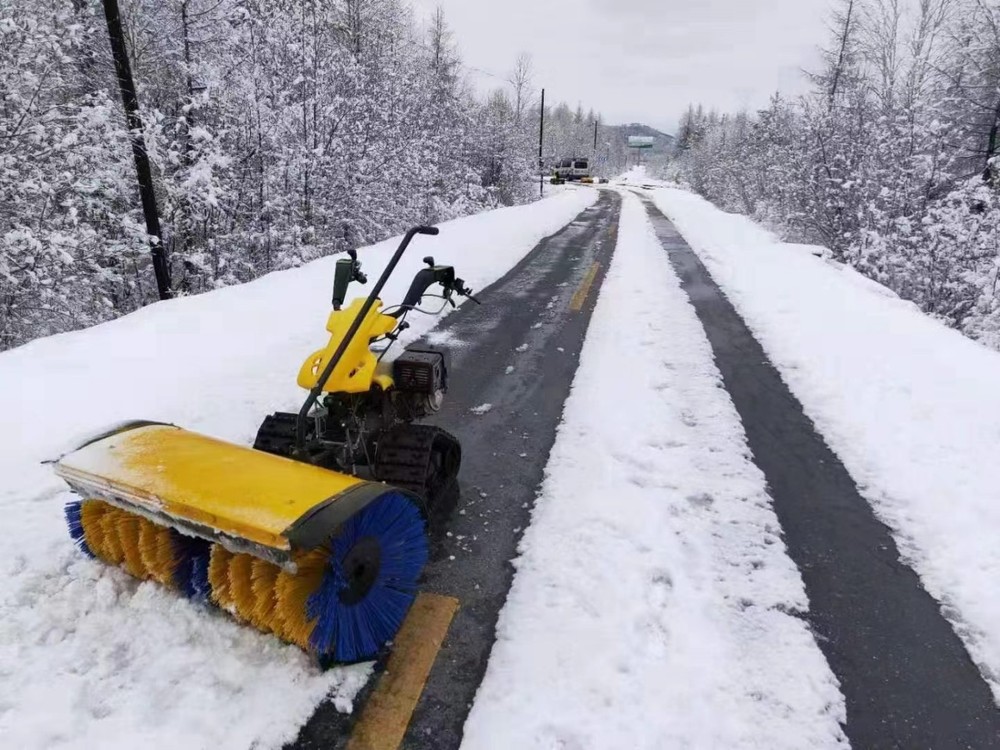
(463, 290)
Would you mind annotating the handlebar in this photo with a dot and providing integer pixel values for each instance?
(317, 389)
(426, 278)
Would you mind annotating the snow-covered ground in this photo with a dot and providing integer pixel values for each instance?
(653, 604)
(90, 658)
(911, 407)
(652, 601)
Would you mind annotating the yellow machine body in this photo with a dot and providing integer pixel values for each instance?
(247, 530)
(245, 499)
(357, 370)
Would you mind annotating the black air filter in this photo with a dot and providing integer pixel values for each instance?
(420, 371)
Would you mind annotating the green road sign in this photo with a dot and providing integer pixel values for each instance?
(641, 141)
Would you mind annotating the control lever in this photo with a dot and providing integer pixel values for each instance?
(346, 270)
(356, 274)
(463, 290)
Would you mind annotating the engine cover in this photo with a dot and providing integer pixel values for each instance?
(420, 371)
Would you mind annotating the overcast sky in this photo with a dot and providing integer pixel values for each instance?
(643, 60)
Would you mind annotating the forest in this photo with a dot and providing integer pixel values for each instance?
(889, 161)
(277, 131)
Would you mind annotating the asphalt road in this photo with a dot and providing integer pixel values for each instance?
(907, 680)
(517, 353)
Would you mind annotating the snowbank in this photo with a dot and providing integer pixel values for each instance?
(91, 658)
(650, 607)
(638, 177)
(911, 407)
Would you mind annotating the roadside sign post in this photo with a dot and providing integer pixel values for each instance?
(640, 142)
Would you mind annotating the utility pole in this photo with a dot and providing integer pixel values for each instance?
(593, 158)
(541, 132)
(143, 172)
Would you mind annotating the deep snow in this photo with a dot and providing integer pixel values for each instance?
(652, 603)
(91, 658)
(911, 407)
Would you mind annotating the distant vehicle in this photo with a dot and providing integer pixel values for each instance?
(572, 169)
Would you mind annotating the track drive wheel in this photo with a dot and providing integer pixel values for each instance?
(419, 458)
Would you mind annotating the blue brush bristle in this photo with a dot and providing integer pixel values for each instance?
(199, 588)
(353, 632)
(191, 573)
(75, 524)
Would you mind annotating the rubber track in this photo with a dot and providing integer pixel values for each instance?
(277, 434)
(404, 455)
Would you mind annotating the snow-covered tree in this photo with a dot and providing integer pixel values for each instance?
(72, 250)
(890, 161)
(278, 131)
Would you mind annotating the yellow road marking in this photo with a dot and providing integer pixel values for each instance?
(576, 304)
(387, 713)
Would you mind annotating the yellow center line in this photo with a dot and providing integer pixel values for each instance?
(387, 713)
(576, 303)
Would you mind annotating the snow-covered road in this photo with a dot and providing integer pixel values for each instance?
(652, 601)
(910, 406)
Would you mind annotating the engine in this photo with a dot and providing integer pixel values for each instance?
(421, 380)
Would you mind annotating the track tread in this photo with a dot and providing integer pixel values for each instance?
(404, 455)
(276, 434)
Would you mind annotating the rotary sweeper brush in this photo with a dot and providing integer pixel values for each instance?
(316, 534)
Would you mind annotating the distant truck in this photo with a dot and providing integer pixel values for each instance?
(572, 169)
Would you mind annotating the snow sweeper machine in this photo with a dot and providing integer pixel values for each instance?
(317, 533)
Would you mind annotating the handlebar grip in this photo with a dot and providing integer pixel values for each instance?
(428, 230)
